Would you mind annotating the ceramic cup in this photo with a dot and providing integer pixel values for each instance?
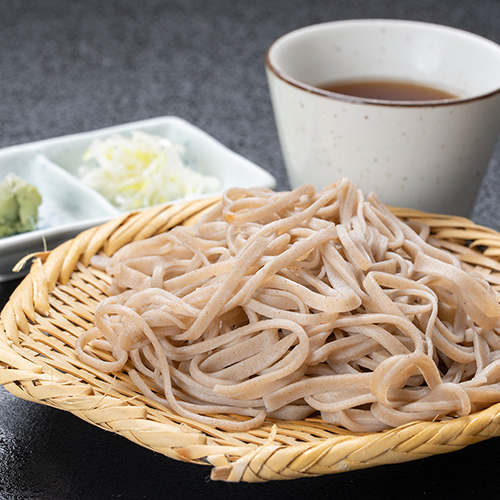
(429, 155)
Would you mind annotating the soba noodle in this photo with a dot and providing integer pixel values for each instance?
(284, 304)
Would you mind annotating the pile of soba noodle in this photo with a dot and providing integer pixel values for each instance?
(286, 304)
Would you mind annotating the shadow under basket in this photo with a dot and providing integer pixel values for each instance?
(54, 304)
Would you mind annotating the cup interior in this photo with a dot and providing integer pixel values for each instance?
(462, 63)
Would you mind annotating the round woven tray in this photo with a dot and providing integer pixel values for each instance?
(54, 304)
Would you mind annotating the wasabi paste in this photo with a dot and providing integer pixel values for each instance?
(19, 202)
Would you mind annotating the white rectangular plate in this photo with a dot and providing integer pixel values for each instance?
(69, 207)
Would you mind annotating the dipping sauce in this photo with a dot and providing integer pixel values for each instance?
(388, 90)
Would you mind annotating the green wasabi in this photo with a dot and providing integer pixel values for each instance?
(19, 202)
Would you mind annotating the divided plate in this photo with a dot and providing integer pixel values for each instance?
(69, 207)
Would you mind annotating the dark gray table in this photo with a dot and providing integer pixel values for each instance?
(72, 66)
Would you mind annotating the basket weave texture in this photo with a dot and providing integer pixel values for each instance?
(54, 304)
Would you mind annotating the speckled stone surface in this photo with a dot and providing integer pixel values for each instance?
(70, 66)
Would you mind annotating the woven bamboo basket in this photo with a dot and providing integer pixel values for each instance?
(55, 302)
